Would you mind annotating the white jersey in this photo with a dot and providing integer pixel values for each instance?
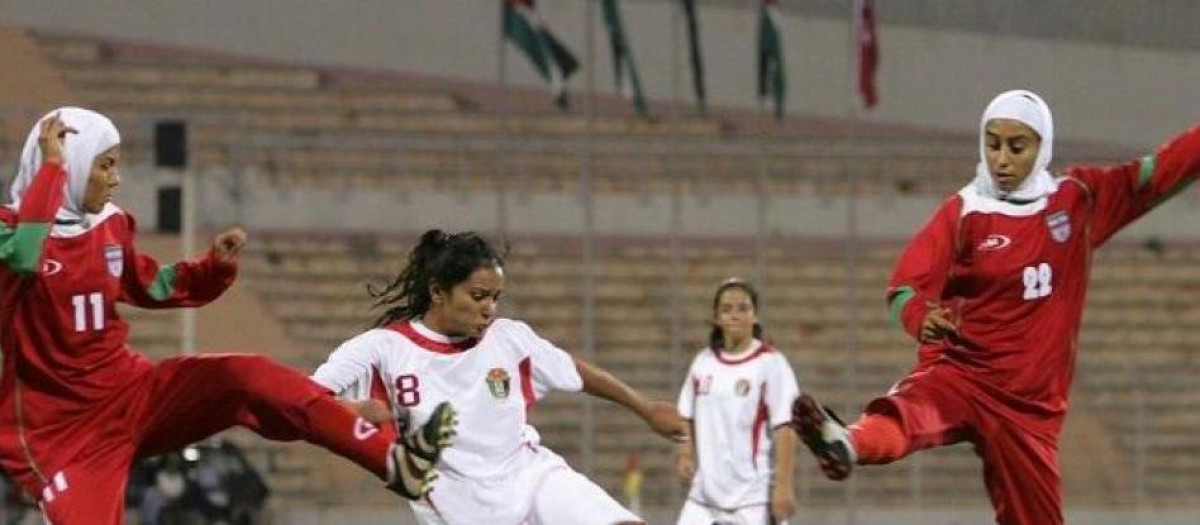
(491, 382)
(734, 404)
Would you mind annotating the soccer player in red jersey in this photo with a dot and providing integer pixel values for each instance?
(77, 404)
(993, 289)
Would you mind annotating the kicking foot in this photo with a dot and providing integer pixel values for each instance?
(825, 435)
(417, 451)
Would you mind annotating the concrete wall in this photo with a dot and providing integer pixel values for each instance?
(533, 213)
(934, 76)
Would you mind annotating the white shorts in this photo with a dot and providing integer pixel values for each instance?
(696, 514)
(546, 491)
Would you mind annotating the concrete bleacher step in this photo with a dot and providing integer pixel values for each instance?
(269, 99)
(141, 75)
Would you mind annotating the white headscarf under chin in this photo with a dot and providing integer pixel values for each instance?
(1029, 109)
(96, 134)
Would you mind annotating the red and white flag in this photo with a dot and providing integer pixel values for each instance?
(868, 50)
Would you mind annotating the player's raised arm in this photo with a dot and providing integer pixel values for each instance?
(37, 194)
(196, 282)
(1124, 192)
(660, 415)
(920, 275)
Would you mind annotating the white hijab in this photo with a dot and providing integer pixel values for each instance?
(1029, 109)
(96, 134)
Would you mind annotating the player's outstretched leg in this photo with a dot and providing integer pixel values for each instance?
(413, 460)
(825, 435)
(191, 398)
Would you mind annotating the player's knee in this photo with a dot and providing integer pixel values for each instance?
(252, 372)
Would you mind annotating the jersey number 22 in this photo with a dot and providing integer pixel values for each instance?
(1037, 281)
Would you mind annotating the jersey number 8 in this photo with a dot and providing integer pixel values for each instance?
(408, 390)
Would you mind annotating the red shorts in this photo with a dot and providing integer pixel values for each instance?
(942, 404)
(81, 466)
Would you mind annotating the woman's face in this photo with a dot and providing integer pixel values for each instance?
(102, 181)
(469, 307)
(1011, 149)
(735, 314)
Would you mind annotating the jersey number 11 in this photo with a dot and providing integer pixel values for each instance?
(80, 304)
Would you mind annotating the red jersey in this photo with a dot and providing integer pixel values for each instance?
(63, 343)
(1015, 276)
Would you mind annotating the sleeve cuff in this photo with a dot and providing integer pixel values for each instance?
(904, 311)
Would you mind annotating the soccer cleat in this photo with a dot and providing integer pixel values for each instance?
(407, 478)
(825, 435)
(417, 451)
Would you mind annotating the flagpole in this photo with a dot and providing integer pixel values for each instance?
(852, 239)
(502, 67)
(502, 110)
(761, 203)
(676, 302)
(760, 208)
(587, 429)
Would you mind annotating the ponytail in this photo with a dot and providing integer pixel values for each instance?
(440, 259)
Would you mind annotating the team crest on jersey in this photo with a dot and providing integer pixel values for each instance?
(1060, 226)
(115, 257)
(742, 387)
(497, 380)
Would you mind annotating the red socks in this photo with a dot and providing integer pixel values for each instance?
(335, 427)
(878, 439)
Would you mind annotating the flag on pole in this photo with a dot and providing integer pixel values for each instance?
(868, 50)
(772, 81)
(629, 84)
(553, 61)
(632, 486)
(693, 33)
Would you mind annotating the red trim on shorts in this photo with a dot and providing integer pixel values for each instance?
(406, 329)
(525, 369)
(762, 349)
(760, 420)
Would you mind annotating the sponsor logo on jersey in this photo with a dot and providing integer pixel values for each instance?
(115, 257)
(994, 242)
(1059, 223)
(497, 381)
(364, 429)
(51, 267)
(742, 387)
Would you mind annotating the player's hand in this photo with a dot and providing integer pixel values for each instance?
(372, 410)
(685, 467)
(937, 325)
(228, 243)
(783, 502)
(51, 136)
(666, 421)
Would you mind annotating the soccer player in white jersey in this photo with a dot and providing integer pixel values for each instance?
(440, 340)
(738, 395)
